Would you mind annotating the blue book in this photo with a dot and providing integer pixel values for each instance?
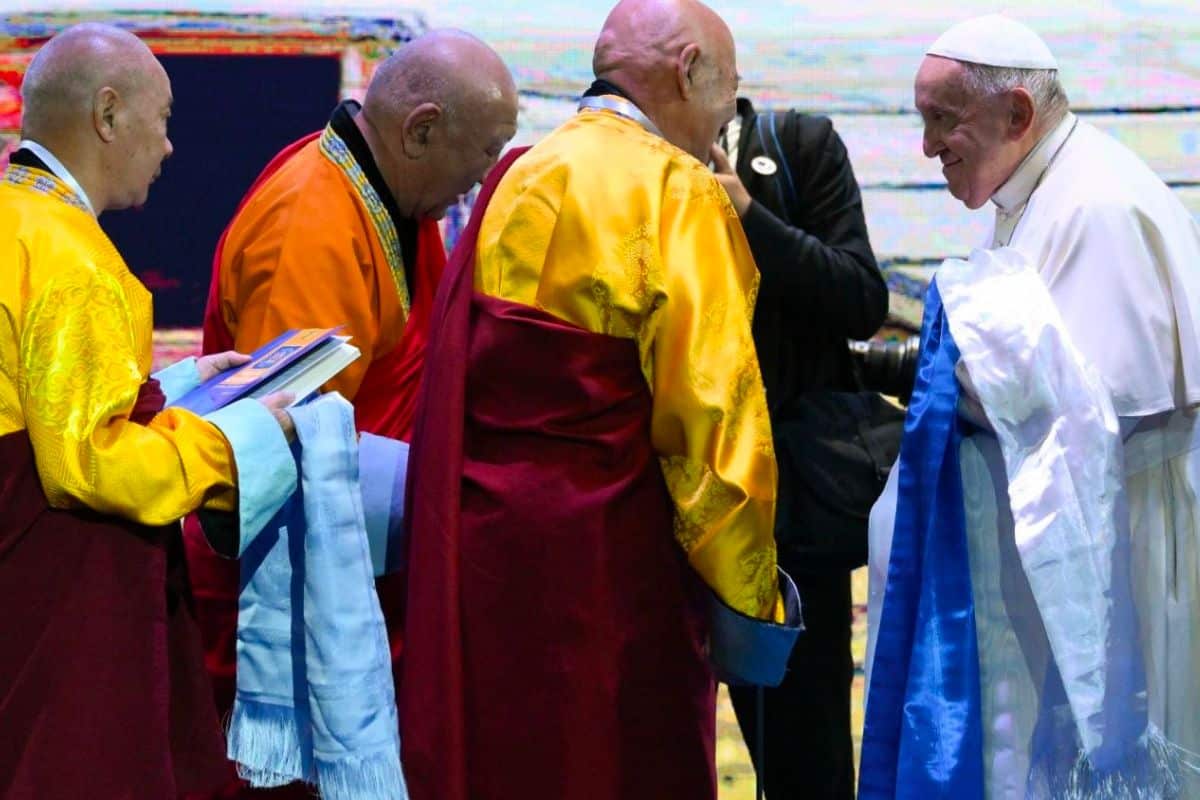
(298, 361)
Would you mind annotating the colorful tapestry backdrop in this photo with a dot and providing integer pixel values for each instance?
(1132, 66)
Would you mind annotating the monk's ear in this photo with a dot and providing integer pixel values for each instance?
(1021, 112)
(106, 103)
(418, 128)
(686, 70)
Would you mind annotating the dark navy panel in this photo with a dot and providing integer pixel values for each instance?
(231, 115)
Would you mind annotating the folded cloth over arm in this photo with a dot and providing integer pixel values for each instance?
(315, 698)
(382, 469)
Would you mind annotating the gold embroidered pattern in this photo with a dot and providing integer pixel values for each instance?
(43, 183)
(333, 148)
(752, 296)
(634, 272)
(759, 576)
(700, 186)
(748, 393)
(78, 313)
(702, 499)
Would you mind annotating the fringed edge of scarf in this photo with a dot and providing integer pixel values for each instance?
(1154, 774)
(264, 743)
(374, 777)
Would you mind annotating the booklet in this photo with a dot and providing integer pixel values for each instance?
(298, 362)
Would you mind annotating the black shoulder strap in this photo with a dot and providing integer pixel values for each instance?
(784, 174)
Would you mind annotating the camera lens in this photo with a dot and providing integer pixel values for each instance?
(887, 367)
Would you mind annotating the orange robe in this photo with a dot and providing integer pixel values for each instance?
(313, 245)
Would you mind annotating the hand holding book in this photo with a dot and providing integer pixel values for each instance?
(213, 365)
(278, 374)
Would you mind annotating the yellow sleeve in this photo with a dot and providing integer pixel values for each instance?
(307, 275)
(710, 424)
(79, 360)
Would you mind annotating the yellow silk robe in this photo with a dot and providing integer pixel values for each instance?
(652, 250)
(75, 347)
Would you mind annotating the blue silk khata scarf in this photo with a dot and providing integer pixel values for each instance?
(923, 737)
(315, 698)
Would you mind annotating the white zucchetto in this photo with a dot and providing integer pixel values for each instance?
(994, 40)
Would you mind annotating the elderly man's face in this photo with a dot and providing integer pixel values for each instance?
(968, 134)
(720, 97)
(466, 151)
(142, 142)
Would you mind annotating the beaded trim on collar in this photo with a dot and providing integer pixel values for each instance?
(335, 149)
(44, 183)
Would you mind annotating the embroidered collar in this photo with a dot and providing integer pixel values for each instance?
(46, 183)
(334, 148)
(59, 170)
(620, 106)
(1016, 191)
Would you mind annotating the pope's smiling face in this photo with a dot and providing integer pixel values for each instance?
(972, 136)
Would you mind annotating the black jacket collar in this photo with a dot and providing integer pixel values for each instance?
(26, 158)
(601, 86)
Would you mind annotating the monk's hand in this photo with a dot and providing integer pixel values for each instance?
(727, 177)
(217, 363)
(277, 404)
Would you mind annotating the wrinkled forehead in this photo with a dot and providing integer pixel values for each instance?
(940, 82)
(489, 120)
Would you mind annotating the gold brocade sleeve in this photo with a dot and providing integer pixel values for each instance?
(653, 252)
(80, 379)
(710, 423)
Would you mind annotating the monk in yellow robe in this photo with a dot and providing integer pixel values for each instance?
(341, 229)
(592, 482)
(102, 684)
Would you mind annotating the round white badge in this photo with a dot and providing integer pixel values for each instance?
(763, 165)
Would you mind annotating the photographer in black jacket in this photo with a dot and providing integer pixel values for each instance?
(800, 206)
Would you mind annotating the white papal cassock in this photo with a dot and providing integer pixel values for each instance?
(1120, 257)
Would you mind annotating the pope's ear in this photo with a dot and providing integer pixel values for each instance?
(1022, 113)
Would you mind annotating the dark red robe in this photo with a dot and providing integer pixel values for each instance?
(103, 692)
(554, 641)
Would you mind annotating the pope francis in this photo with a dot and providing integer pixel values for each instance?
(1034, 561)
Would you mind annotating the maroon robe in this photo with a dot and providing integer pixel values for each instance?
(103, 692)
(554, 641)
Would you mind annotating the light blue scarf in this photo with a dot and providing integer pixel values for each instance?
(315, 699)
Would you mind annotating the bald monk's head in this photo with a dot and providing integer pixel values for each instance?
(436, 116)
(98, 99)
(676, 60)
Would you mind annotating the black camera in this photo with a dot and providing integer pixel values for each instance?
(887, 367)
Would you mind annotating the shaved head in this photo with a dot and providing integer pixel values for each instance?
(98, 99)
(64, 76)
(436, 115)
(449, 68)
(676, 60)
(641, 38)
